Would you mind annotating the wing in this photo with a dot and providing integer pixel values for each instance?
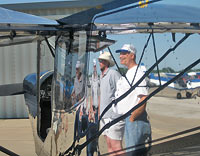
(15, 30)
(161, 18)
(85, 17)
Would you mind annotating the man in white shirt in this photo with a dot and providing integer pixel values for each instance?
(137, 126)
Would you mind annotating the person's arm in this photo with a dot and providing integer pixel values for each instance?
(99, 107)
(99, 100)
(135, 114)
(91, 111)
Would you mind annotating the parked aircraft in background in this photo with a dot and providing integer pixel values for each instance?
(187, 85)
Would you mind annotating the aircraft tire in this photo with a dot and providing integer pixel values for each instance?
(178, 96)
(188, 95)
(198, 93)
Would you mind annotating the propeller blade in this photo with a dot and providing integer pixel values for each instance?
(11, 89)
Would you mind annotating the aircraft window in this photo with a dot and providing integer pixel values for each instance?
(70, 68)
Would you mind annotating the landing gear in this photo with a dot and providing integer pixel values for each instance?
(188, 95)
(198, 93)
(178, 96)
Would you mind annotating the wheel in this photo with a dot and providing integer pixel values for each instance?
(178, 96)
(198, 93)
(188, 95)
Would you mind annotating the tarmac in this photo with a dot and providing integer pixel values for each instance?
(167, 116)
(16, 136)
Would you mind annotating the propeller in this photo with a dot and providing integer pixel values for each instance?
(11, 89)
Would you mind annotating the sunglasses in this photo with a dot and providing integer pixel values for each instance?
(101, 61)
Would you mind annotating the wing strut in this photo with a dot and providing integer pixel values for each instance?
(142, 57)
(8, 152)
(154, 46)
(50, 47)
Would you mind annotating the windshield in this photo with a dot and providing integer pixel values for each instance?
(69, 71)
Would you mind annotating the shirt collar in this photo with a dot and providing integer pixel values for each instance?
(132, 68)
(105, 73)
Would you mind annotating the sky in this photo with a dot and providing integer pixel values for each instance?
(178, 60)
(184, 55)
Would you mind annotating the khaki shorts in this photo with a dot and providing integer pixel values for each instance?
(116, 131)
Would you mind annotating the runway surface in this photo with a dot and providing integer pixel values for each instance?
(167, 116)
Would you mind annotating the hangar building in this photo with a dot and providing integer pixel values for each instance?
(20, 60)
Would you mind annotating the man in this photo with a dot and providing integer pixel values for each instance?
(78, 90)
(95, 89)
(77, 95)
(109, 78)
(137, 126)
(93, 111)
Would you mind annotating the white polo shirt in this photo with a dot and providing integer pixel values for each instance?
(132, 99)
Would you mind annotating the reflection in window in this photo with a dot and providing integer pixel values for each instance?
(69, 71)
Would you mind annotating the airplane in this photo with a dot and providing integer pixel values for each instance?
(47, 93)
(188, 84)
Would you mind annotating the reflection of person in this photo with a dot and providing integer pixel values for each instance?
(109, 78)
(93, 111)
(137, 126)
(77, 94)
(78, 91)
(68, 88)
(60, 124)
(94, 102)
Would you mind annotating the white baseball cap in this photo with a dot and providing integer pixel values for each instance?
(127, 48)
(78, 64)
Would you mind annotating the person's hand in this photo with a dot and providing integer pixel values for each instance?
(80, 115)
(91, 115)
(131, 119)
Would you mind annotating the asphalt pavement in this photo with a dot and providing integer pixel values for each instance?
(167, 116)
